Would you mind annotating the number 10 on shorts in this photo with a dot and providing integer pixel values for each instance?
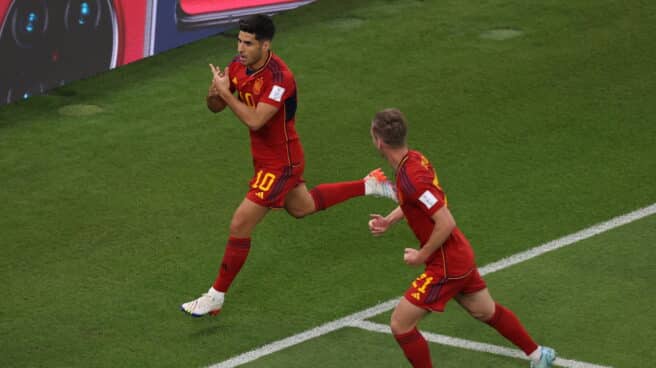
(263, 181)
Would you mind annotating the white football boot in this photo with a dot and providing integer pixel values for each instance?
(208, 303)
(547, 357)
(376, 184)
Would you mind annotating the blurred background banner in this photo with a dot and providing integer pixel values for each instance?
(48, 43)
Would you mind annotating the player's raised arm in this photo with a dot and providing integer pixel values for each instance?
(253, 118)
(214, 102)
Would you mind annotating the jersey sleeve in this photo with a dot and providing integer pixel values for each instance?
(428, 197)
(278, 88)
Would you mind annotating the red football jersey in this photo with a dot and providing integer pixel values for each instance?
(420, 196)
(275, 144)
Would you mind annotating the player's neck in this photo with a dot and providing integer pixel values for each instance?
(260, 63)
(396, 156)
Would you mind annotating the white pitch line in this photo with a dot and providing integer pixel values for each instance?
(388, 305)
(473, 345)
(307, 335)
(569, 239)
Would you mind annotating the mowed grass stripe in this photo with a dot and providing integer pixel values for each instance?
(356, 318)
(474, 345)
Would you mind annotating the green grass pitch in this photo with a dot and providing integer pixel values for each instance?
(117, 191)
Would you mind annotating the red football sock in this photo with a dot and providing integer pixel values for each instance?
(326, 195)
(234, 257)
(415, 348)
(508, 325)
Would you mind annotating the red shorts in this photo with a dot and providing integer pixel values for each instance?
(432, 290)
(269, 186)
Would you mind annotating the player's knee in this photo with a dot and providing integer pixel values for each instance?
(295, 212)
(298, 212)
(398, 326)
(481, 314)
(238, 227)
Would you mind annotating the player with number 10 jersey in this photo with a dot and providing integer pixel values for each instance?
(276, 149)
(266, 101)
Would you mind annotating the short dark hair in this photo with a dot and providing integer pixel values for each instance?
(391, 127)
(260, 25)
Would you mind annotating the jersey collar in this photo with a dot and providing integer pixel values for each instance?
(250, 72)
(403, 161)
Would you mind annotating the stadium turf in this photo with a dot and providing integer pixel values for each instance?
(116, 210)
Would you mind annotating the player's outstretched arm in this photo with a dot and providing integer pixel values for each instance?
(379, 224)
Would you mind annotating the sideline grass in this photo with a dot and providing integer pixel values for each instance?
(586, 300)
(110, 221)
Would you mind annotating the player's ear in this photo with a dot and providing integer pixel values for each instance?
(378, 142)
(266, 45)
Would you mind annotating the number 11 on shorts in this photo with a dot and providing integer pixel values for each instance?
(427, 281)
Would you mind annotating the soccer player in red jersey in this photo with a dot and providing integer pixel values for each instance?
(449, 268)
(266, 103)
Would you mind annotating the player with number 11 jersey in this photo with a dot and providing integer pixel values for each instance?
(420, 196)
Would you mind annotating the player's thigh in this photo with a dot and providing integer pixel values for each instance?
(246, 217)
(479, 304)
(406, 316)
(299, 201)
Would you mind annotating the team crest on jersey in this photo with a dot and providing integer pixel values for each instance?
(257, 86)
